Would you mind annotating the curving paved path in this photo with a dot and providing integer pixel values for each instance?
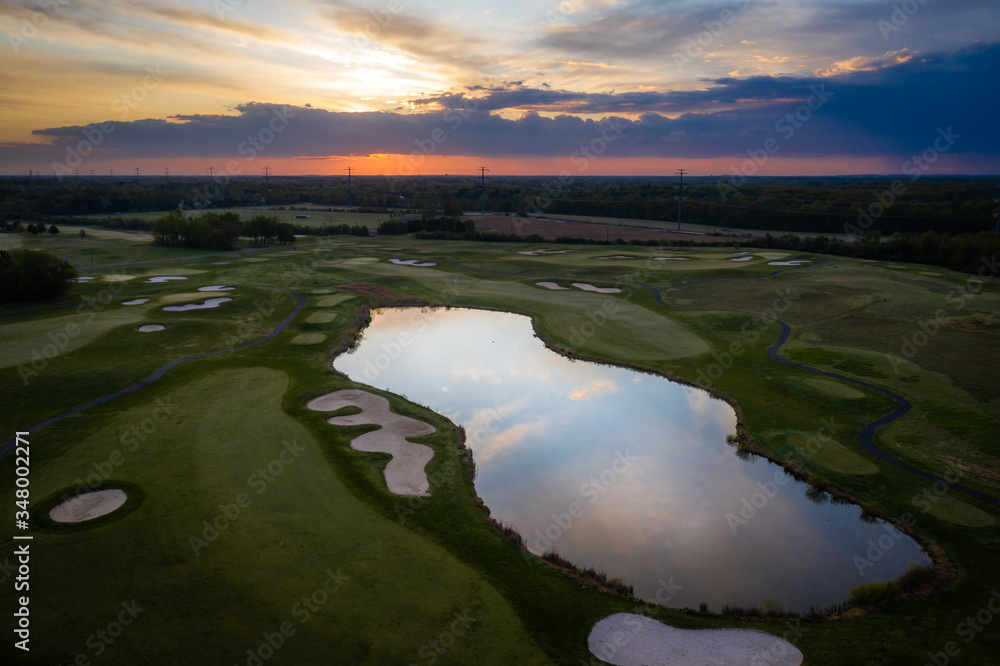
(866, 436)
(162, 370)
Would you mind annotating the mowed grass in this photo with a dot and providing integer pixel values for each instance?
(225, 441)
(336, 509)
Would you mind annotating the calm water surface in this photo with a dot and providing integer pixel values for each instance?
(621, 471)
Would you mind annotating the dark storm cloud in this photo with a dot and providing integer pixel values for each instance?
(888, 111)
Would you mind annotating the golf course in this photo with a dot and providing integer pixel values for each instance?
(208, 485)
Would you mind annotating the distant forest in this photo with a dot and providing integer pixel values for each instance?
(824, 205)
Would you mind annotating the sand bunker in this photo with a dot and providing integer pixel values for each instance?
(671, 258)
(534, 253)
(165, 278)
(618, 256)
(795, 262)
(216, 287)
(745, 252)
(404, 474)
(742, 259)
(151, 328)
(552, 285)
(636, 640)
(83, 279)
(210, 303)
(412, 262)
(88, 506)
(599, 290)
(136, 301)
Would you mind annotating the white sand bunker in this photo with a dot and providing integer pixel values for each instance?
(795, 262)
(210, 303)
(83, 279)
(671, 258)
(404, 474)
(746, 252)
(534, 253)
(216, 287)
(151, 328)
(165, 278)
(636, 640)
(599, 290)
(88, 506)
(412, 262)
(742, 258)
(618, 256)
(554, 286)
(136, 301)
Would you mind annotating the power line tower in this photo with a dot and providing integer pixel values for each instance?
(211, 173)
(680, 196)
(349, 170)
(267, 181)
(483, 185)
(137, 173)
(166, 173)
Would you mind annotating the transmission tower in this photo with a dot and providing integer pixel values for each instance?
(267, 181)
(483, 186)
(349, 170)
(681, 194)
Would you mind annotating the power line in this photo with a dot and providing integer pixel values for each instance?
(482, 186)
(680, 197)
(349, 170)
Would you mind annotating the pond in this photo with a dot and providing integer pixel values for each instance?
(622, 471)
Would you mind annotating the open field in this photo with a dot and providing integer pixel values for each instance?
(250, 504)
(318, 215)
(588, 227)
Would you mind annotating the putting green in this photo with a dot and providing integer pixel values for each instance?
(321, 318)
(243, 518)
(335, 299)
(953, 510)
(175, 271)
(185, 296)
(839, 389)
(308, 339)
(359, 260)
(831, 454)
(321, 291)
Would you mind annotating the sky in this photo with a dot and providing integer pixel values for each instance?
(581, 87)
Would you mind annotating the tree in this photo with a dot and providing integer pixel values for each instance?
(33, 275)
(53, 229)
(83, 234)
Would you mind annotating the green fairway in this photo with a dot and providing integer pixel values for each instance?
(396, 570)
